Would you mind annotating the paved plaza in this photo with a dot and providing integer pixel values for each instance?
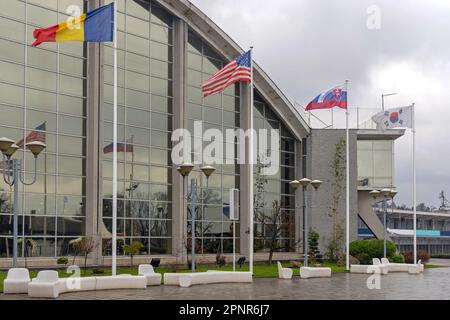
(432, 284)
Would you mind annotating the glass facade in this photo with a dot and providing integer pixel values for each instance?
(274, 202)
(375, 163)
(220, 111)
(145, 39)
(43, 87)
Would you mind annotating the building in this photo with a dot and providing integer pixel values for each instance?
(433, 230)
(166, 49)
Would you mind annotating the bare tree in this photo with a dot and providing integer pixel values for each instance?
(273, 226)
(84, 246)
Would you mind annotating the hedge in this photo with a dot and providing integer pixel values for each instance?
(367, 249)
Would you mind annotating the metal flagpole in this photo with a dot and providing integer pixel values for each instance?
(414, 182)
(114, 204)
(250, 153)
(332, 118)
(347, 189)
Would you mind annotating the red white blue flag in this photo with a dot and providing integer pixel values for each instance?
(121, 147)
(37, 134)
(240, 69)
(335, 97)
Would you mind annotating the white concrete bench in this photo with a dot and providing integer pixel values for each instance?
(45, 285)
(76, 284)
(401, 267)
(359, 268)
(171, 279)
(308, 272)
(189, 279)
(284, 273)
(153, 278)
(48, 285)
(16, 281)
(414, 269)
(368, 269)
(123, 281)
(384, 267)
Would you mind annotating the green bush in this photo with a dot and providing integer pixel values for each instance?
(376, 248)
(364, 258)
(372, 248)
(359, 246)
(397, 258)
(62, 260)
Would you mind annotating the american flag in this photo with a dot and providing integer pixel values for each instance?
(121, 147)
(240, 69)
(37, 134)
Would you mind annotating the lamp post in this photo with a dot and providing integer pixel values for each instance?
(386, 193)
(185, 169)
(13, 167)
(207, 171)
(295, 184)
(385, 95)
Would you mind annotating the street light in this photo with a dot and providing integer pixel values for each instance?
(13, 167)
(387, 194)
(5, 143)
(386, 95)
(207, 171)
(185, 169)
(304, 183)
(374, 194)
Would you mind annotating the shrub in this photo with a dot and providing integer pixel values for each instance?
(421, 254)
(342, 260)
(376, 248)
(364, 258)
(397, 258)
(132, 249)
(220, 260)
(359, 246)
(365, 250)
(313, 246)
(62, 260)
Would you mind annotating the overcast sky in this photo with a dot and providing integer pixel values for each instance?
(307, 46)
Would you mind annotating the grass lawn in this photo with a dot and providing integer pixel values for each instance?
(260, 271)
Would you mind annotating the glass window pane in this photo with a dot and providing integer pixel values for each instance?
(11, 72)
(11, 94)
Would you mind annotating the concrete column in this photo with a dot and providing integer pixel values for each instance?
(92, 143)
(246, 176)
(179, 210)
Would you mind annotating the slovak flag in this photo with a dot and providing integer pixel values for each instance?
(335, 97)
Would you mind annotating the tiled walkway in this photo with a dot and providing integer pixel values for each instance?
(433, 284)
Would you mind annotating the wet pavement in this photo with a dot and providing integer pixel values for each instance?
(432, 284)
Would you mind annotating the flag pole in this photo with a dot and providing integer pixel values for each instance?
(114, 204)
(251, 167)
(414, 182)
(347, 189)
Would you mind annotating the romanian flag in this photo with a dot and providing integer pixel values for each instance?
(94, 26)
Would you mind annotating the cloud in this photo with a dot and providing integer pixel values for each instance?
(307, 46)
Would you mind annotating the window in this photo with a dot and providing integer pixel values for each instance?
(375, 166)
